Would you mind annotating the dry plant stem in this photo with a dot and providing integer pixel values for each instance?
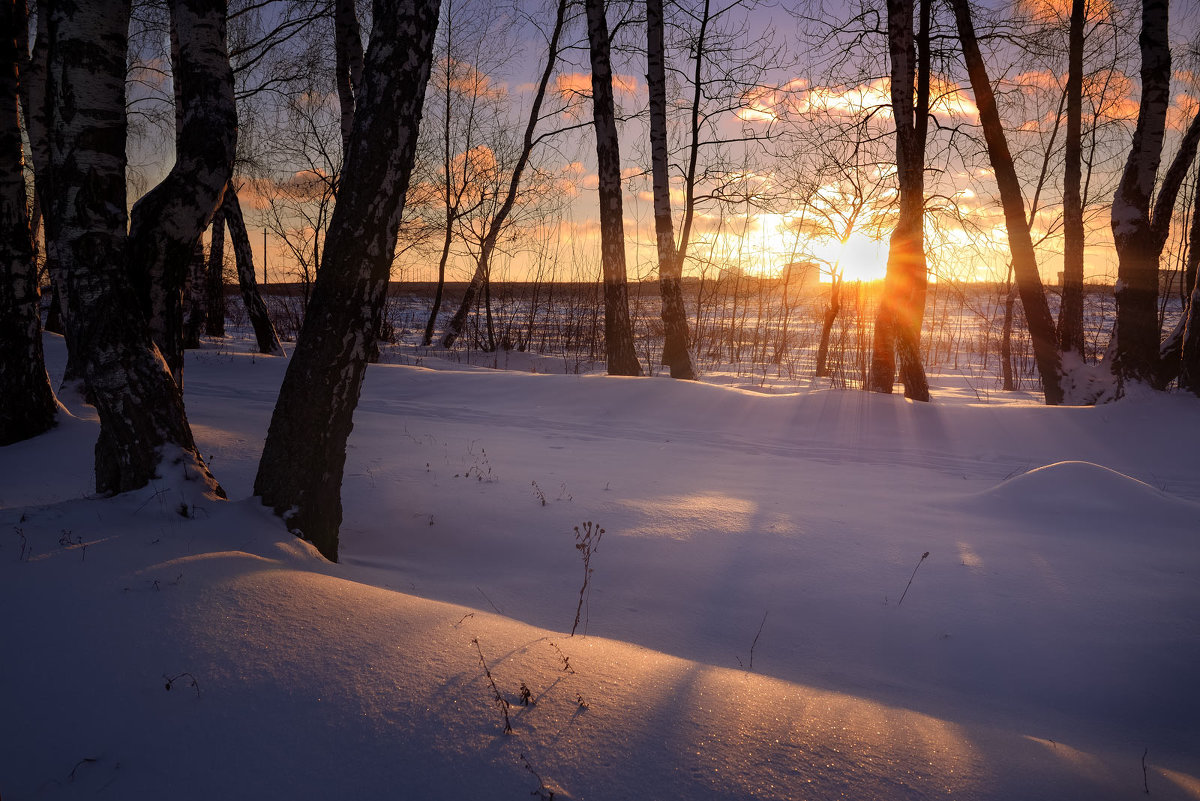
(501, 701)
(587, 540)
(756, 636)
(924, 556)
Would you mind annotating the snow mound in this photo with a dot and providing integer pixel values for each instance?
(1086, 490)
(1072, 482)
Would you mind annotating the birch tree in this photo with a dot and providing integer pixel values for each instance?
(168, 221)
(144, 431)
(264, 333)
(1024, 260)
(618, 331)
(676, 354)
(898, 322)
(214, 318)
(300, 473)
(1189, 325)
(1070, 315)
(349, 64)
(28, 407)
(1136, 335)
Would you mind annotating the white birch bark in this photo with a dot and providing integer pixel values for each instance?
(169, 220)
(143, 428)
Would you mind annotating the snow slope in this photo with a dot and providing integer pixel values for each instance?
(744, 633)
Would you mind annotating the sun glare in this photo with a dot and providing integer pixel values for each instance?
(859, 258)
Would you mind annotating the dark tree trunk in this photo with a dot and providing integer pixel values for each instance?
(618, 331)
(831, 313)
(35, 102)
(1167, 363)
(1006, 363)
(215, 278)
(1137, 331)
(1183, 348)
(168, 221)
(1024, 261)
(195, 307)
(27, 405)
(349, 65)
(1070, 315)
(484, 264)
(243, 256)
(143, 429)
(898, 321)
(54, 320)
(300, 474)
(431, 323)
(676, 353)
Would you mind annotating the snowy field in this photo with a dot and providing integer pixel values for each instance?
(742, 633)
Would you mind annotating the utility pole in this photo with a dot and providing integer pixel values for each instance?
(265, 282)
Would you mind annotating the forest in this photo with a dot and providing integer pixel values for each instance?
(341, 341)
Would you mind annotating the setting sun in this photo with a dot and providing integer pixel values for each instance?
(859, 258)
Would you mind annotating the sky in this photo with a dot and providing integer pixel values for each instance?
(789, 195)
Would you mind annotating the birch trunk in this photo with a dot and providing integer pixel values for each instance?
(1070, 316)
(1182, 348)
(349, 65)
(1136, 333)
(143, 428)
(618, 331)
(898, 321)
(215, 278)
(300, 474)
(483, 264)
(195, 304)
(243, 256)
(1189, 346)
(168, 221)
(1024, 261)
(28, 407)
(676, 353)
(34, 101)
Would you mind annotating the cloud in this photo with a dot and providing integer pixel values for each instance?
(798, 98)
(580, 83)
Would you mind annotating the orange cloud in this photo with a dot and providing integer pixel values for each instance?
(580, 83)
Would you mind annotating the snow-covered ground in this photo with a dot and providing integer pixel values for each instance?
(745, 636)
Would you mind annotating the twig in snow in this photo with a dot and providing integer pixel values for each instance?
(78, 765)
(1145, 775)
(924, 556)
(489, 600)
(501, 702)
(195, 685)
(543, 792)
(566, 660)
(756, 636)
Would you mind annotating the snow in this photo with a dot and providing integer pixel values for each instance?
(1050, 639)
